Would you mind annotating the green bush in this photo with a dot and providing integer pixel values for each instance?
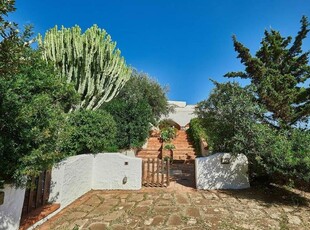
(167, 134)
(167, 123)
(133, 122)
(197, 131)
(233, 120)
(88, 131)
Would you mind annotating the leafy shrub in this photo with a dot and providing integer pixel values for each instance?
(167, 123)
(140, 87)
(197, 131)
(167, 134)
(33, 101)
(88, 131)
(132, 120)
(232, 119)
(169, 146)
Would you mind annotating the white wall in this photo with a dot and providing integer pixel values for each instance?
(109, 170)
(77, 175)
(11, 209)
(182, 113)
(71, 179)
(212, 174)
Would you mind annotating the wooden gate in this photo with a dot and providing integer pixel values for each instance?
(155, 172)
(37, 193)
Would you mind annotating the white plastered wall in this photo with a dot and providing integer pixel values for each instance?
(71, 179)
(79, 174)
(11, 209)
(116, 171)
(212, 174)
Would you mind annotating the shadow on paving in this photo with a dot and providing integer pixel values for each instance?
(270, 195)
(183, 174)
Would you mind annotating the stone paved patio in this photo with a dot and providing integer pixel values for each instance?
(176, 208)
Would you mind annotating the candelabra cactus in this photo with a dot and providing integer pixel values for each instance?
(90, 61)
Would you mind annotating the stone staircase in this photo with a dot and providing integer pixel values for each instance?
(184, 151)
(152, 150)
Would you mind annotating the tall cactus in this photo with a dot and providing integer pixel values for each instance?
(90, 61)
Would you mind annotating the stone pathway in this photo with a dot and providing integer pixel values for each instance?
(159, 208)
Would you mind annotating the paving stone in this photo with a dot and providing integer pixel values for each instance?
(75, 215)
(167, 196)
(98, 226)
(210, 195)
(158, 220)
(295, 220)
(126, 206)
(145, 203)
(165, 210)
(113, 216)
(100, 210)
(163, 202)
(192, 212)
(140, 211)
(136, 197)
(191, 221)
(181, 199)
(174, 220)
(148, 221)
(85, 208)
(80, 223)
(94, 201)
(118, 227)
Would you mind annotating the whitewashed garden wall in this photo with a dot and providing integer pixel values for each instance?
(79, 174)
(211, 173)
(11, 209)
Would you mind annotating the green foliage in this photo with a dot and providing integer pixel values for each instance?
(168, 134)
(169, 146)
(141, 87)
(233, 121)
(89, 61)
(230, 109)
(279, 73)
(166, 123)
(140, 102)
(133, 121)
(197, 131)
(32, 105)
(33, 99)
(88, 131)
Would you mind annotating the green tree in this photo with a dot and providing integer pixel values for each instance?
(279, 72)
(132, 119)
(140, 102)
(141, 87)
(88, 131)
(33, 99)
(90, 61)
(231, 118)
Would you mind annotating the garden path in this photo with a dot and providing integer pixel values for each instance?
(269, 207)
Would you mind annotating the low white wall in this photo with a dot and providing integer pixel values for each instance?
(77, 175)
(212, 174)
(71, 179)
(11, 209)
(110, 169)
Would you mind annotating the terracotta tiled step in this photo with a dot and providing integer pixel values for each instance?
(148, 153)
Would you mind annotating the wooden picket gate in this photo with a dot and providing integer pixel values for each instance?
(155, 172)
(38, 192)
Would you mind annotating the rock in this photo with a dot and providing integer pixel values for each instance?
(294, 220)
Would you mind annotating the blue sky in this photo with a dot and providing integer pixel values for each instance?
(181, 43)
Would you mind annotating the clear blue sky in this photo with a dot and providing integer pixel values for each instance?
(181, 43)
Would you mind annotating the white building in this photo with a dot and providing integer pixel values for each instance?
(182, 114)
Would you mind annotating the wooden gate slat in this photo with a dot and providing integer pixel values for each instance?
(155, 172)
